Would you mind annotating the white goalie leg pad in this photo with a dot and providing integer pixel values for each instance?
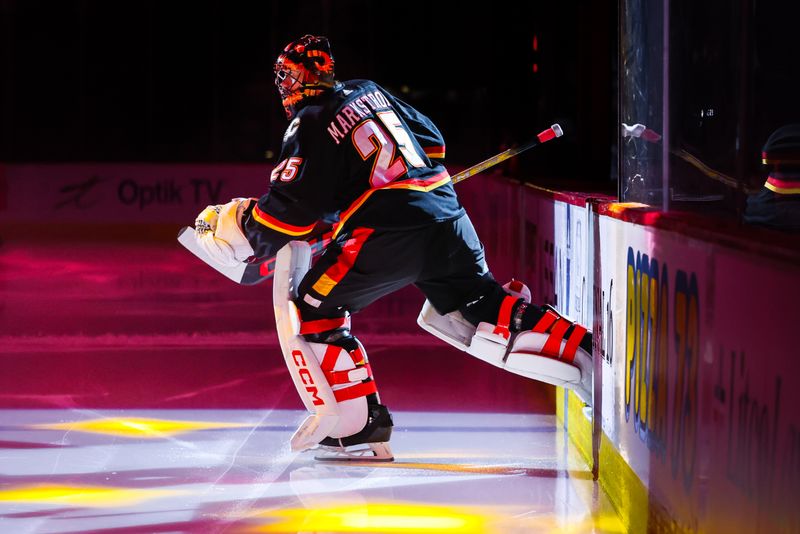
(532, 354)
(547, 354)
(291, 264)
(489, 345)
(490, 342)
(328, 378)
(451, 328)
(487, 342)
(481, 342)
(345, 373)
(526, 359)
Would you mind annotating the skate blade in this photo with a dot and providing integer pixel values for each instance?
(370, 452)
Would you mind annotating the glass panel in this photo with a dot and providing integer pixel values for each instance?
(732, 82)
(640, 102)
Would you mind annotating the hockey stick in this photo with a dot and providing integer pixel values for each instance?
(261, 270)
(548, 134)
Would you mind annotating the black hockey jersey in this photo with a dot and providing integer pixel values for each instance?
(357, 156)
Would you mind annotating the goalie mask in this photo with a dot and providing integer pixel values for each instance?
(303, 70)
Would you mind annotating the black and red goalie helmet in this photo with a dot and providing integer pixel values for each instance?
(303, 70)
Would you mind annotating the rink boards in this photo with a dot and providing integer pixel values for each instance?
(695, 349)
(693, 427)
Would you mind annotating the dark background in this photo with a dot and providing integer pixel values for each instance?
(735, 79)
(175, 81)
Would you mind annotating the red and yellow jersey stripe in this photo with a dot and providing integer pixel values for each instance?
(782, 186)
(275, 224)
(424, 185)
(435, 152)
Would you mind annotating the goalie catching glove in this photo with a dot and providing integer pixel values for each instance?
(218, 231)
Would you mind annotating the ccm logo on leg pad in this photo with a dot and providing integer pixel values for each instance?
(305, 376)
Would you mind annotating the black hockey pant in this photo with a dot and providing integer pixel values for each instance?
(444, 260)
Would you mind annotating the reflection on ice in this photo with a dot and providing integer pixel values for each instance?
(232, 470)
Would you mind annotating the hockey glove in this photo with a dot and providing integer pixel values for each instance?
(218, 230)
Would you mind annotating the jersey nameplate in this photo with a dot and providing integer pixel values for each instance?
(353, 112)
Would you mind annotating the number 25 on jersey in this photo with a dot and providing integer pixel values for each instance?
(369, 137)
(286, 171)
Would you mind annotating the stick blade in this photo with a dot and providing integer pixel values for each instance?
(255, 273)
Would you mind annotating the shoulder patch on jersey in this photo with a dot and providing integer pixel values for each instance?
(291, 129)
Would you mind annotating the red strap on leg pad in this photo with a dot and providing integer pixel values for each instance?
(573, 370)
(557, 326)
(358, 374)
(516, 288)
(490, 341)
(573, 343)
(362, 389)
(504, 317)
(546, 321)
(552, 346)
(543, 354)
(323, 325)
(349, 375)
(343, 367)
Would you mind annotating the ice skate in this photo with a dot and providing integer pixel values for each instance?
(368, 452)
(369, 445)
